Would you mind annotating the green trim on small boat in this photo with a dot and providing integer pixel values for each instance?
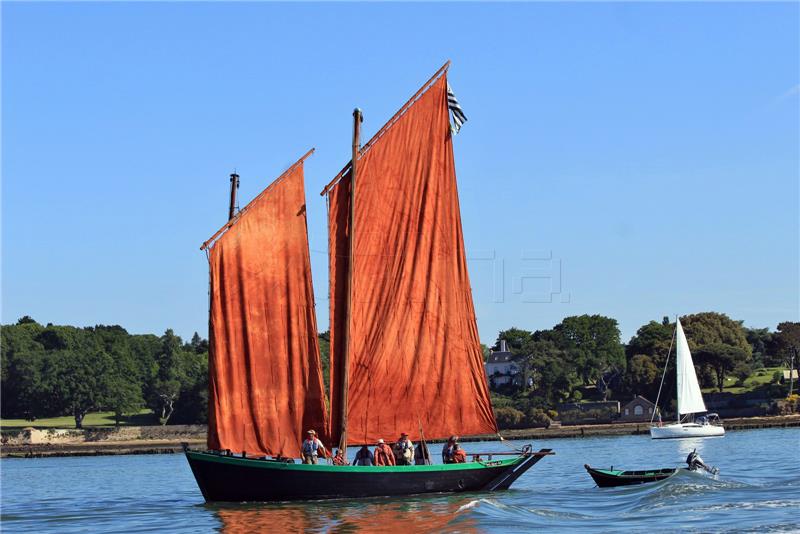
(269, 464)
(608, 472)
(632, 473)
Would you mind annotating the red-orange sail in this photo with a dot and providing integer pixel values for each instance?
(415, 356)
(265, 379)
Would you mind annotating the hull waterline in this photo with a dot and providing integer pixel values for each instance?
(224, 478)
(686, 430)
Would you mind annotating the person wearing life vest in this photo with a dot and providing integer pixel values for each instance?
(404, 450)
(459, 456)
(383, 454)
(364, 456)
(312, 448)
(339, 458)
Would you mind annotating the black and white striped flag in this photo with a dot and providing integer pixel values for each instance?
(458, 115)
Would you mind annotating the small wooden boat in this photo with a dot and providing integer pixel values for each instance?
(607, 478)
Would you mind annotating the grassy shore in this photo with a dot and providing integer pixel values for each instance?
(93, 419)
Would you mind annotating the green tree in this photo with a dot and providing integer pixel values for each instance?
(788, 346)
(652, 340)
(710, 327)
(548, 368)
(509, 417)
(169, 377)
(762, 342)
(642, 376)
(198, 345)
(593, 343)
(124, 396)
(722, 358)
(788, 342)
(78, 381)
(515, 339)
(717, 342)
(192, 404)
(22, 359)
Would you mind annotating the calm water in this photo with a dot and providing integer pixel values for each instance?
(758, 489)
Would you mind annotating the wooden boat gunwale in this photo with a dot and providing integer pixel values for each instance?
(324, 467)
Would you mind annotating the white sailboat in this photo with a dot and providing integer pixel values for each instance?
(690, 399)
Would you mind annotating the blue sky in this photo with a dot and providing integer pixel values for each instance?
(634, 160)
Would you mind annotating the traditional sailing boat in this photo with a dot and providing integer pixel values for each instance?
(690, 399)
(405, 354)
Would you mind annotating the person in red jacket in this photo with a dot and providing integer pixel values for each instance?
(383, 454)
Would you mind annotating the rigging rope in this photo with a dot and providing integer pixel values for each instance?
(664, 374)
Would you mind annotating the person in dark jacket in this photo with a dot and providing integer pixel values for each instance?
(364, 456)
(447, 450)
(421, 454)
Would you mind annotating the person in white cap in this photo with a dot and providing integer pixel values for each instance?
(383, 454)
(312, 448)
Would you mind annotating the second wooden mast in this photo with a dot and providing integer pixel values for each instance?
(357, 119)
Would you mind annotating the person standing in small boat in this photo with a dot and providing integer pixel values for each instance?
(364, 456)
(383, 454)
(404, 450)
(313, 448)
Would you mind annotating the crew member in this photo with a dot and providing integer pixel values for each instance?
(383, 454)
(312, 448)
(459, 456)
(404, 450)
(447, 450)
(364, 456)
(421, 454)
(339, 458)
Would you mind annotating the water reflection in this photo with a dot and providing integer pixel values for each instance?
(687, 445)
(416, 514)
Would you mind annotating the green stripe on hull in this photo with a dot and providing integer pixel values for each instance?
(266, 464)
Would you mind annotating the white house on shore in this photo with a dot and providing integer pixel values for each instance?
(502, 367)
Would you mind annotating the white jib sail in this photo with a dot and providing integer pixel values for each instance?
(690, 399)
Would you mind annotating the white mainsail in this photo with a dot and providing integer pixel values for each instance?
(690, 399)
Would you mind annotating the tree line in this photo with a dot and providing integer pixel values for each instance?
(55, 370)
(586, 353)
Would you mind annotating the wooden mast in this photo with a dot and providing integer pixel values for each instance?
(234, 187)
(357, 119)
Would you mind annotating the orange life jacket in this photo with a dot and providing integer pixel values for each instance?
(459, 457)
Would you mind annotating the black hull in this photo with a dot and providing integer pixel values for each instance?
(234, 479)
(608, 479)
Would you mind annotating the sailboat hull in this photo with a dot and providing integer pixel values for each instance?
(686, 430)
(234, 479)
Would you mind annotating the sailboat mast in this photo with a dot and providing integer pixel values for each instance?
(677, 370)
(357, 119)
(234, 187)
